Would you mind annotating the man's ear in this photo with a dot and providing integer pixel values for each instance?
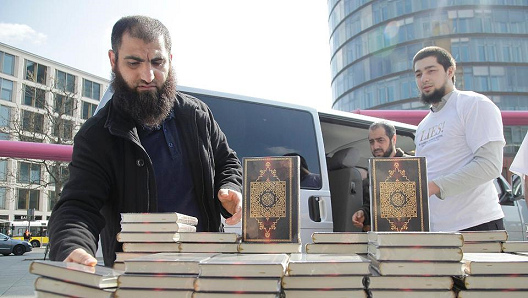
(451, 71)
(112, 56)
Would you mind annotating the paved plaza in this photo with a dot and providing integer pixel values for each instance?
(15, 279)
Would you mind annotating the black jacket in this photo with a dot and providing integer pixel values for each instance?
(111, 173)
(366, 191)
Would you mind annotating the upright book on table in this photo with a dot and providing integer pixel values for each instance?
(398, 194)
(97, 277)
(271, 199)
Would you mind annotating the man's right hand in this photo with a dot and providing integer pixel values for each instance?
(80, 256)
(358, 218)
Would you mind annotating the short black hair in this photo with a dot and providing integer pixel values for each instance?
(142, 27)
(443, 57)
(390, 130)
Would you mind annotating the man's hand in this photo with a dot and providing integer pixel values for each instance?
(80, 256)
(358, 218)
(433, 188)
(232, 202)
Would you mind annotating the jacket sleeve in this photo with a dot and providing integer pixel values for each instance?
(366, 201)
(76, 221)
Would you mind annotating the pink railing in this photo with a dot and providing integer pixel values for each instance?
(17, 149)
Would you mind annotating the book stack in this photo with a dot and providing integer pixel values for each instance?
(493, 275)
(484, 241)
(413, 264)
(61, 278)
(338, 243)
(325, 275)
(241, 275)
(160, 275)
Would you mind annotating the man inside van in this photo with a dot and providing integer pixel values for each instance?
(382, 139)
(462, 140)
(150, 149)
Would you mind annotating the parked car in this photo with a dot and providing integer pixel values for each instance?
(514, 208)
(9, 245)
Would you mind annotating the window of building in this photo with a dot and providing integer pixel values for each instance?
(65, 81)
(28, 199)
(6, 92)
(36, 72)
(3, 199)
(3, 170)
(63, 129)
(7, 63)
(28, 173)
(52, 200)
(91, 89)
(34, 97)
(59, 173)
(64, 105)
(88, 109)
(33, 122)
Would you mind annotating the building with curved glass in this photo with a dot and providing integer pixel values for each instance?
(373, 43)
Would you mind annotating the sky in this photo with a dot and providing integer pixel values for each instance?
(271, 49)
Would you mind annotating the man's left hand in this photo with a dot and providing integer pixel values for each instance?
(232, 202)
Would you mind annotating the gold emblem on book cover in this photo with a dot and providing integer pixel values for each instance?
(268, 200)
(398, 199)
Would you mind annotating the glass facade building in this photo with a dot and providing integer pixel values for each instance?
(373, 43)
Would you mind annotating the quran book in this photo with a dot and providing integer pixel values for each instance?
(492, 294)
(98, 276)
(156, 281)
(144, 237)
(393, 253)
(148, 247)
(245, 284)
(336, 248)
(471, 236)
(416, 239)
(123, 256)
(242, 265)
(207, 237)
(159, 217)
(356, 293)
(417, 268)
(378, 282)
(158, 293)
(61, 287)
(323, 282)
(271, 199)
(167, 263)
(488, 246)
(232, 295)
(412, 294)
(189, 247)
(339, 237)
(273, 247)
(495, 263)
(515, 246)
(327, 264)
(490, 282)
(398, 194)
(155, 227)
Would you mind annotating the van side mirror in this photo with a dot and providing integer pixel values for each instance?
(517, 187)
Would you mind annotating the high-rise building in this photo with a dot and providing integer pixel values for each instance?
(40, 101)
(373, 43)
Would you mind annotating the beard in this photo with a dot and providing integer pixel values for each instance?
(434, 97)
(148, 108)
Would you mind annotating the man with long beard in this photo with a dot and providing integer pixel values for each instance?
(382, 140)
(150, 149)
(462, 140)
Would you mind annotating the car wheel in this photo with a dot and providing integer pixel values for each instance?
(19, 250)
(35, 243)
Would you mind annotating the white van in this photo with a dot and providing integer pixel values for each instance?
(334, 145)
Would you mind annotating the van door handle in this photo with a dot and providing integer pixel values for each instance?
(314, 209)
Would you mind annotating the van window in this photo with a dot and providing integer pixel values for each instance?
(255, 129)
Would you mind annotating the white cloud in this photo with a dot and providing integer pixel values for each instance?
(17, 33)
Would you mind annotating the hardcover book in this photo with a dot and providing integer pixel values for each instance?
(378, 282)
(155, 227)
(158, 293)
(159, 217)
(43, 294)
(271, 199)
(323, 282)
(61, 287)
(167, 263)
(339, 237)
(232, 295)
(492, 294)
(245, 284)
(190, 247)
(515, 246)
(482, 246)
(495, 263)
(416, 239)
(393, 253)
(490, 282)
(417, 268)
(327, 264)
(411, 294)
(145, 237)
(123, 256)
(472, 236)
(356, 293)
(148, 247)
(336, 248)
(273, 248)
(398, 194)
(218, 237)
(156, 281)
(98, 276)
(241, 265)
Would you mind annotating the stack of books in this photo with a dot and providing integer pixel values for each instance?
(241, 275)
(413, 264)
(67, 279)
(349, 243)
(325, 275)
(484, 241)
(160, 275)
(493, 275)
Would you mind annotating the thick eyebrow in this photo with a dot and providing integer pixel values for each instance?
(425, 68)
(135, 58)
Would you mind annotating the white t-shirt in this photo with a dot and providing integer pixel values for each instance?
(448, 139)
(519, 165)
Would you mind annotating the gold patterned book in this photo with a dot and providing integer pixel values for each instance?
(271, 199)
(398, 194)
